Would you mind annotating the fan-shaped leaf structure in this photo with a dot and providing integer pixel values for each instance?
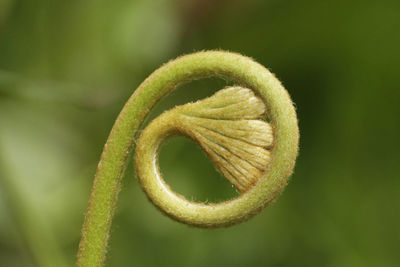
(230, 129)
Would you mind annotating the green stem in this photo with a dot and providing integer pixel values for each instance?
(234, 67)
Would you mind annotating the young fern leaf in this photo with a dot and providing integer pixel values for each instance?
(256, 156)
(229, 128)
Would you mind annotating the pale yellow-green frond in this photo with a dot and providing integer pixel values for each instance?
(229, 128)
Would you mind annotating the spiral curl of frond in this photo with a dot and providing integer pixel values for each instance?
(249, 131)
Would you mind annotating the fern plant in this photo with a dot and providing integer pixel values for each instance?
(249, 131)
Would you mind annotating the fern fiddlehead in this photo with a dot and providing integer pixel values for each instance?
(255, 155)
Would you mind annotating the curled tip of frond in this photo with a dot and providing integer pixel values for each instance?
(229, 128)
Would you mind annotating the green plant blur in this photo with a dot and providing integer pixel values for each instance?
(67, 68)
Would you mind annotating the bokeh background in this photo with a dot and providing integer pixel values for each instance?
(67, 67)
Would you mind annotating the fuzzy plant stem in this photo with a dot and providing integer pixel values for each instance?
(233, 67)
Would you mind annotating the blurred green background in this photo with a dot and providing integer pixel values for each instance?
(67, 67)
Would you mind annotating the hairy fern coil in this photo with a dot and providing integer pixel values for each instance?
(248, 130)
